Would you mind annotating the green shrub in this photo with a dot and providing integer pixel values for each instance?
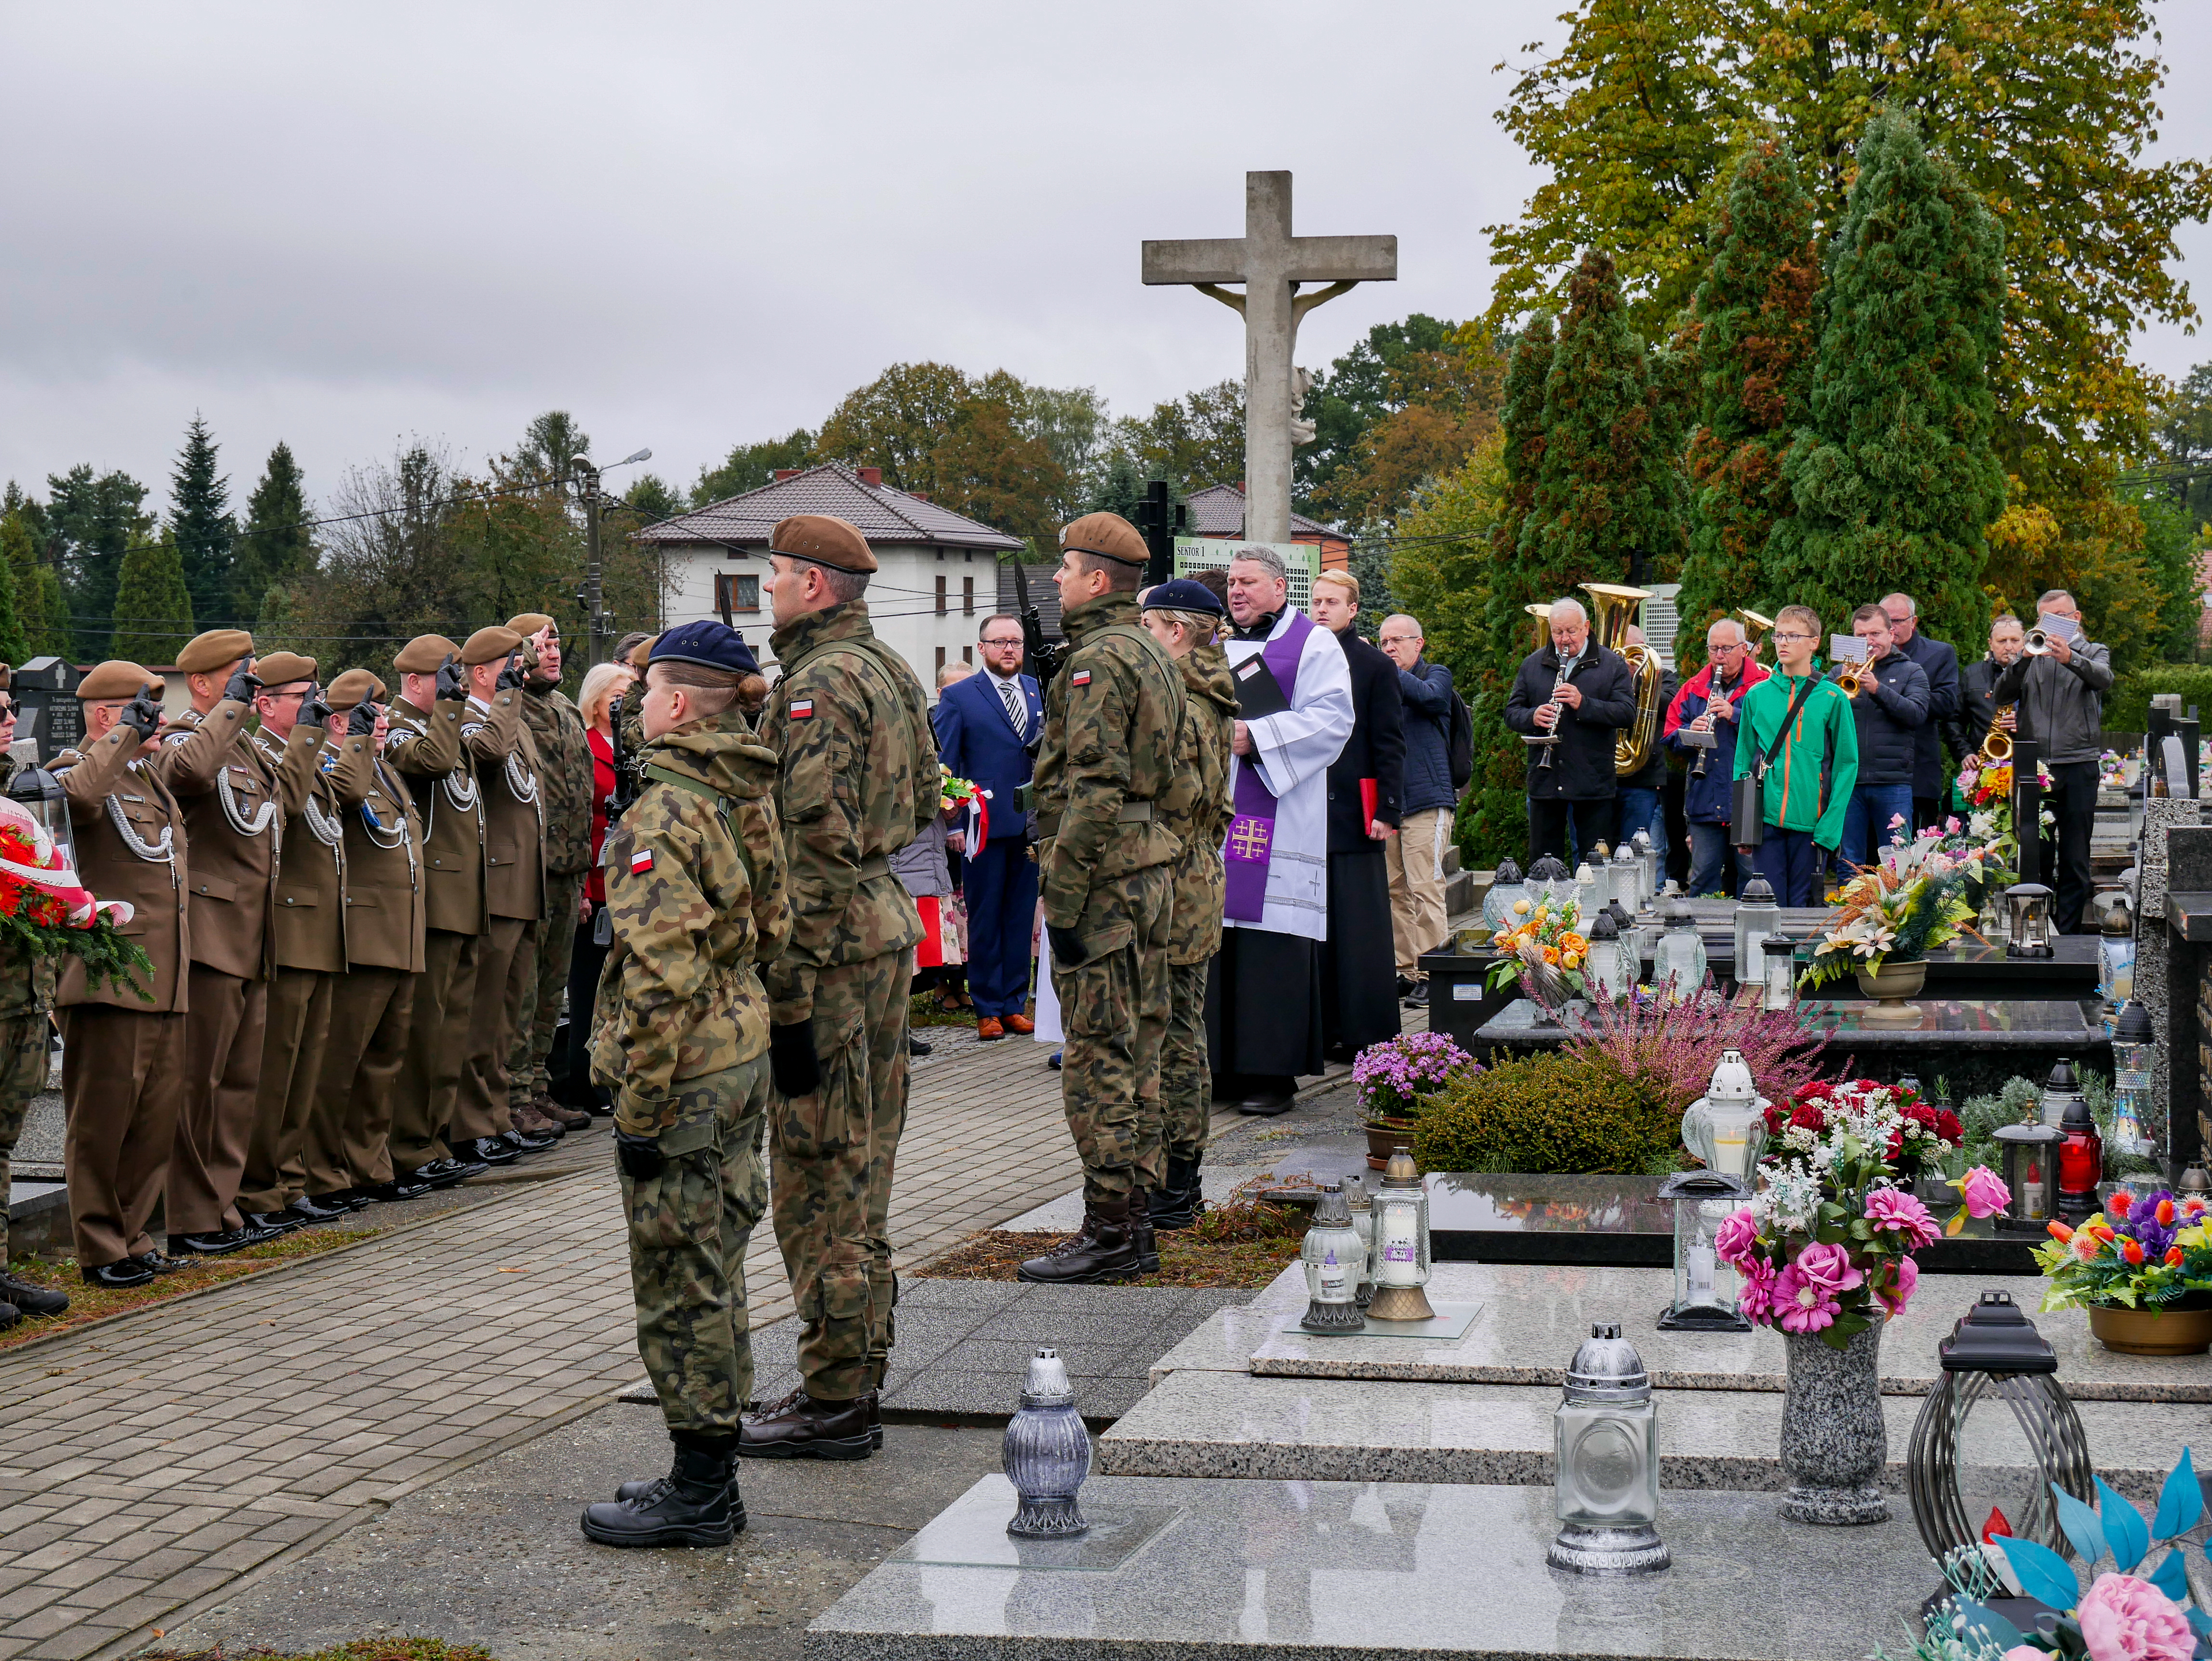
(2127, 707)
(1549, 1113)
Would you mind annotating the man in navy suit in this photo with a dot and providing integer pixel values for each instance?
(987, 728)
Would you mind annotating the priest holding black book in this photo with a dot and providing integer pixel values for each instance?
(1366, 796)
(1263, 1007)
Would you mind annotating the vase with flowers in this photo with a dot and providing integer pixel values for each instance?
(2142, 1267)
(1826, 1253)
(1540, 948)
(1913, 897)
(1393, 1080)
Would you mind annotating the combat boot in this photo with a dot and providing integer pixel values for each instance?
(696, 1504)
(1104, 1250)
(530, 1121)
(1140, 1232)
(800, 1427)
(1178, 1202)
(32, 1299)
(567, 1117)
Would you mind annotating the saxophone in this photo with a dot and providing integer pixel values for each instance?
(1616, 606)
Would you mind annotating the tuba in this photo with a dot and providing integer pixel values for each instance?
(1615, 604)
(1755, 626)
(1542, 613)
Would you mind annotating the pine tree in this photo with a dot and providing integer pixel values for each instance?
(44, 609)
(1754, 345)
(13, 648)
(93, 521)
(19, 561)
(153, 602)
(275, 545)
(199, 514)
(1894, 475)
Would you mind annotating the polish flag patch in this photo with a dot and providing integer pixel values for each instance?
(1080, 677)
(802, 709)
(641, 860)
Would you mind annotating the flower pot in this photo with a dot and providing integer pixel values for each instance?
(1891, 985)
(2152, 1332)
(1385, 1137)
(1834, 1444)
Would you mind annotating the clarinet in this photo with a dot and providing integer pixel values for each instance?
(1551, 742)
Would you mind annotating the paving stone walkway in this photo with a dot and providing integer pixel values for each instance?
(147, 1463)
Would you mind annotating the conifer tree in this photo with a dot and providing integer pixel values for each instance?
(275, 546)
(13, 648)
(153, 602)
(1894, 477)
(199, 515)
(1755, 338)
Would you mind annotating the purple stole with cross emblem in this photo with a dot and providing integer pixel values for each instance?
(1251, 841)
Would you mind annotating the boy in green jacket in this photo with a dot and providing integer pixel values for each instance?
(1807, 786)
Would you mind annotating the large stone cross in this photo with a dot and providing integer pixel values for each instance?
(1270, 263)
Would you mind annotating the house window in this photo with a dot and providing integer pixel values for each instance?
(940, 657)
(736, 592)
(940, 594)
(966, 597)
(968, 655)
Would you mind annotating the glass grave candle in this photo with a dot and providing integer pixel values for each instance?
(1627, 880)
(1605, 1435)
(1757, 917)
(1611, 970)
(1705, 1288)
(2030, 1156)
(1402, 1243)
(1047, 1453)
(1726, 1127)
(1333, 1262)
(1589, 891)
(2116, 956)
(1504, 888)
(2135, 1049)
(1780, 966)
(1678, 965)
(40, 792)
(2063, 1085)
(2080, 1162)
(1645, 851)
(1550, 882)
(2028, 932)
(1362, 1223)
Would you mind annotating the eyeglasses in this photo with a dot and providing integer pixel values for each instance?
(7, 710)
(1790, 634)
(1003, 640)
(1402, 640)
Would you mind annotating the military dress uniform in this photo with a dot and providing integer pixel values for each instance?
(1113, 721)
(696, 900)
(124, 1049)
(308, 922)
(857, 782)
(235, 803)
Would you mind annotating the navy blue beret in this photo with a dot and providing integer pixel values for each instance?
(1184, 595)
(709, 644)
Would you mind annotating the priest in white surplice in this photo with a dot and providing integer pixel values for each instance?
(1263, 1010)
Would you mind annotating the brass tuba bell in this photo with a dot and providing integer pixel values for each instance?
(1616, 604)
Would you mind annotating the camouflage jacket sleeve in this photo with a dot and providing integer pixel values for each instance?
(661, 915)
(1092, 783)
(494, 732)
(433, 750)
(297, 772)
(822, 803)
(771, 880)
(187, 763)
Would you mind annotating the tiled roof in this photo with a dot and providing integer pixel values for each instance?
(882, 513)
(1218, 511)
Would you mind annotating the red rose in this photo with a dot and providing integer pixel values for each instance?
(1896, 1143)
(1809, 1117)
(1948, 1128)
(1775, 1119)
(1813, 1092)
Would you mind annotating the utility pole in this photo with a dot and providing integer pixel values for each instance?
(593, 596)
(1158, 525)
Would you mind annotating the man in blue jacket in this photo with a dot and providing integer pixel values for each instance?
(1707, 704)
(1416, 854)
(988, 728)
(1939, 661)
(1891, 707)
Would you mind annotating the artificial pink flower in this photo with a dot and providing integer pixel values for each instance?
(1894, 1209)
(2026, 1653)
(1735, 1241)
(1801, 1305)
(1951, 825)
(1829, 1267)
(2124, 1619)
(1756, 1300)
(1983, 1191)
(1898, 1284)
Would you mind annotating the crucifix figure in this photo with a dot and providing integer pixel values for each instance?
(1272, 263)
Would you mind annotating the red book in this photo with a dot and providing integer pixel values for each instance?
(1367, 792)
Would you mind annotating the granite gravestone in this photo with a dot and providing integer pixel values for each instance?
(45, 692)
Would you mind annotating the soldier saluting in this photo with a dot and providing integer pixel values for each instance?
(695, 897)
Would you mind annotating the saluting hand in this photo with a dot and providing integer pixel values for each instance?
(513, 674)
(452, 680)
(361, 722)
(244, 683)
(313, 712)
(143, 714)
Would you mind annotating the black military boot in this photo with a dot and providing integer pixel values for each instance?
(800, 1427)
(696, 1504)
(32, 1299)
(1103, 1251)
(1176, 1202)
(642, 1488)
(1141, 1230)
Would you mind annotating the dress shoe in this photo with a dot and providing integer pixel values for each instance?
(1104, 1250)
(1418, 998)
(308, 1209)
(568, 1118)
(391, 1193)
(1021, 1024)
(158, 1262)
(1176, 1202)
(531, 1122)
(443, 1173)
(800, 1427)
(488, 1151)
(916, 1047)
(275, 1222)
(1140, 1232)
(340, 1202)
(990, 1027)
(1266, 1102)
(1053, 1061)
(696, 1504)
(216, 1243)
(1405, 985)
(32, 1299)
(118, 1277)
(524, 1141)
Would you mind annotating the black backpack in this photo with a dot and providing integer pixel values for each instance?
(1460, 743)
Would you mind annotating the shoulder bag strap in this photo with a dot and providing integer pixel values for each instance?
(684, 781)
(1766, 761)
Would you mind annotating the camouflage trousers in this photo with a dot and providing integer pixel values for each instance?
(688, 1230)
(536, 1022)
(1114, 1009)
(22, 1075)
(833, 1155)
(1185, 1081)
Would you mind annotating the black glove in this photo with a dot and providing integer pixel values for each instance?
(639, 1157)
(313, 712)
(1067, 946)
(361, 722)
(452, 680)
(513, 674)
(143, 714)
(792, 1060)
(243, 685)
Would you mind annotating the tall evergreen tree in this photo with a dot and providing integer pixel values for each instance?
(93, 520)
(14, 646)
(1894, 477)
(19, 557)
(1755, 338)
(275, 545)
(549, 443)
(199, 514)
(153, 601)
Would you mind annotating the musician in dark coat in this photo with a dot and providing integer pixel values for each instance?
(1582, 694)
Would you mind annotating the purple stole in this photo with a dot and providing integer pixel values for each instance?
(1251, 841)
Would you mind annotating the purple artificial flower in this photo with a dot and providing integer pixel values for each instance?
(1829, 1267)
(1893, 1209)
(1756, 1300)
(1737, 1240)
(1801, 1305)
(2143, 1223)
(1896, 1289)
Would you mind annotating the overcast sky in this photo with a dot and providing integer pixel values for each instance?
(697, 225)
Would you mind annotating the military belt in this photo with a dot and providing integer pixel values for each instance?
(1129, 812)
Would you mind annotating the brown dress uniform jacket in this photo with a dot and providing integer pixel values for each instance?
(387, 909)
(105, 784)
(309, 920)
(514, 810)
(224, 785)
(424, 745)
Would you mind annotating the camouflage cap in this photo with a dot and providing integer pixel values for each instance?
(1109, 536)
(351, 687)
(825, 539)
(423, 654)
(488, 645)
(218, 648)
(118, 678)
(283, 668)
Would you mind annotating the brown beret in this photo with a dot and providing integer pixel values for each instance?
(530, 622)
(823, 539)
(488, 645)
(283, 668)
(218, 648)
(351, 687)
(118, 678)
(1107, 535)
(7, 676)
(641, 654)
(423, 654)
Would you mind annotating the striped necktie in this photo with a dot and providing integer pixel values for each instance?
(1015, 712)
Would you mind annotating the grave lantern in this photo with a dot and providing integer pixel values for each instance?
(1333, 1262)
(1589, 892)
(2080, 1161)
(1649, 857)
(1780, 963)
(1726, 1127)
(2194, 1181)
(1609, 972)
(2031, 1172)
(1363, 1224)
(1705, 1288)
(2116, 956)
(1757, 917)
(1996, 1360)
(1680, 958)
(2063, 1085)
(1627, 880)
(2029, 934)
(2135, 1048)
(1606, 1443)
(1047, 1453)
(1504, 888)
(40, 792)
(1402, 1243)
(1549, 882)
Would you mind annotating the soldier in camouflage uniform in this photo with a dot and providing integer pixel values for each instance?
(1184, 617)
(859, 782)
(696, 896)
(1113, 717)
(27, 993)
(564, 786)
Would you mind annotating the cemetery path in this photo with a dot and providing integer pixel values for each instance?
(147, 1463)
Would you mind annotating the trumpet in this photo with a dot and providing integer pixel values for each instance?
(2039, 643)
(1853, 679)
